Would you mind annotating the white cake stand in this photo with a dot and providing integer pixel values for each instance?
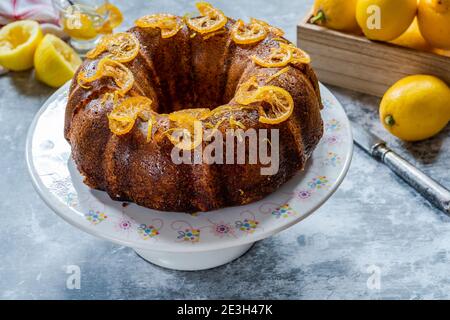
(178, 240)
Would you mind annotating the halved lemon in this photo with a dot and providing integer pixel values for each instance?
(55, 61)
(18, 42)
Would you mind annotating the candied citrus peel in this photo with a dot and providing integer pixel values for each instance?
(113, 20)
(187, 134)
(186, 118)
(124, 114)
(107, 67)
(168, 23)
(299, 56)
(280, 101)
(276, 31)
(285, 54)
(211, 19)
(248, 33)
(277, 74)
(246, 91)
(278, 57)
(121, 47)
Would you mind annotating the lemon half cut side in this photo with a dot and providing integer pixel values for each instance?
(18, 42)
(55, 61)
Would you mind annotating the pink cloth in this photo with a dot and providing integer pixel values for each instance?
(38, 10)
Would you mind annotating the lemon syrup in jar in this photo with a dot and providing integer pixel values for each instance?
(84, 21)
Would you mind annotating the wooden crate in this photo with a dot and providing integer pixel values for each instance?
(356, 63)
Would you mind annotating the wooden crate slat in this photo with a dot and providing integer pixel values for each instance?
(356, 63)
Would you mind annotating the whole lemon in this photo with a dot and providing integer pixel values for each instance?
(336, 14)
(434, 22)
(416, 107)
(385, 20)
(412, 38)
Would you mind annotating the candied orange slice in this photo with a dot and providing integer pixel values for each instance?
(168, 23)
(299, 56)
(211, 19)
(112, 21)
(278, 57)
(280, 102)
(122, 47)
(276, 31)
(248, 33)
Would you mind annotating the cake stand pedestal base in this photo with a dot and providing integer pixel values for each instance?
(193, 261)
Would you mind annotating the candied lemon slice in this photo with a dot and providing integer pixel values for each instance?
(112, 21)
(184, 139)
(280, 102)
(18, 42)
(122, 47)
(211, 19)
(168, 23)
(246, 92)
(248, 33)
(278, 57)
(187, 117)
(299, 56)
(122, 76)
(124, 114)
(276, 31)
(55, 61)
(151, 121)
(121, 126)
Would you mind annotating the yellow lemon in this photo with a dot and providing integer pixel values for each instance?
(18, 41)
(385, 20)
(412, 38)
(55, 61)
(336, 14)
(434, 22)
(441, 52)
(416, 107)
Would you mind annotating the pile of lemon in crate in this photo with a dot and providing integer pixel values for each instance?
(24, 46)
(416, 107)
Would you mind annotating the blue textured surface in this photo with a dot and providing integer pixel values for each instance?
(373, 220)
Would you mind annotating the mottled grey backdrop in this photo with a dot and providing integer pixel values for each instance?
(373, 220)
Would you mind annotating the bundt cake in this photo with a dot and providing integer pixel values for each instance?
(140, 93)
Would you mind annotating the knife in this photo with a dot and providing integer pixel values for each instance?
(427, 187)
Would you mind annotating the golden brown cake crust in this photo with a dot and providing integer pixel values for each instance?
(180, 72)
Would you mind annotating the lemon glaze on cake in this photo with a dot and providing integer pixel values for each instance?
(166, 72)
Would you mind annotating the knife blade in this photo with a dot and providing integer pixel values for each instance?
(430, 189)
